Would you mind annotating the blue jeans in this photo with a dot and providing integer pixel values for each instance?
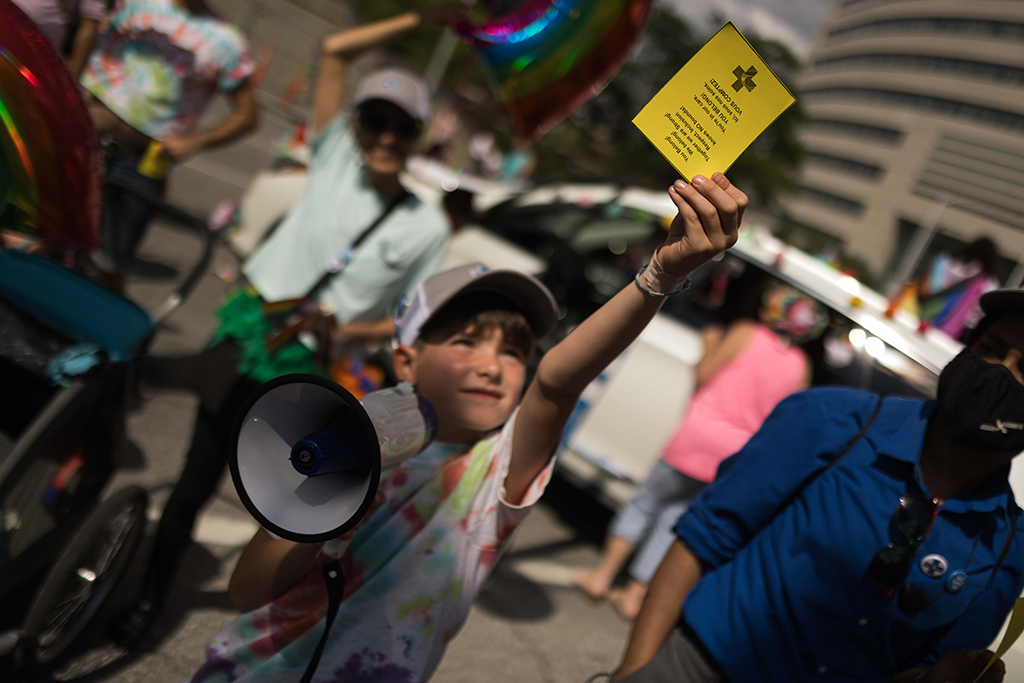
(648, 521)
(125, 216)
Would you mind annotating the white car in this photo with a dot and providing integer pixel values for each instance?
(578, 239)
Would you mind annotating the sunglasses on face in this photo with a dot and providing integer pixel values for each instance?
(891, 565)
(376, 123)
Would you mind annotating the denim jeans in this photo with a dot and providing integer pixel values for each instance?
(649, 520)
(125, 216)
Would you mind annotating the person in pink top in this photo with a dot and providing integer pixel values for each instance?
(745, 371)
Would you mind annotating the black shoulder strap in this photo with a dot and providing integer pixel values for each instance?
(392, 205)
(1014, 519)
(329, 275)
(849, 446)
(863, 431)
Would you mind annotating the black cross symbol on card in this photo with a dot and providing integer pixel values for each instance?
(742, 82)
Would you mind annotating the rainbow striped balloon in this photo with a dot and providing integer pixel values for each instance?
(551, 56)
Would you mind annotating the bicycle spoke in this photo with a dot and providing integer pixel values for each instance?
(71, 602)
(68, 608)
(84, 584)
(124, 521)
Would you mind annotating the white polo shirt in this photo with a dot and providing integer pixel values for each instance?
(336, 207)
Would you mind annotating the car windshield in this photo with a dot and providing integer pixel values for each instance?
(593, 252)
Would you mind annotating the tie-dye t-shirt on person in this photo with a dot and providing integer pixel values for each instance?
(158, 65)
(412, 573)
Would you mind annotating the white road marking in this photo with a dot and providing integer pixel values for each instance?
(545, 572)
(214, 529)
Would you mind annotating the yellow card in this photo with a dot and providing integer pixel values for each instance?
(717, 104)
(1013, 631)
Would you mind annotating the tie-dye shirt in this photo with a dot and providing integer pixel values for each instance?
(158, 65)
(411, 575)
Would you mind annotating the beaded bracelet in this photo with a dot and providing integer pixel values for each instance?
(652, 277)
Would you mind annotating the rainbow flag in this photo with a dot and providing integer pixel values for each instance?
(550, 56)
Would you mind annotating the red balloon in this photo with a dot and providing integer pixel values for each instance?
(47, 141)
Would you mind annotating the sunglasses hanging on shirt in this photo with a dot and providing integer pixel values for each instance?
(889, 568)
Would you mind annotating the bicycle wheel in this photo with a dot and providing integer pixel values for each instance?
(82, 577)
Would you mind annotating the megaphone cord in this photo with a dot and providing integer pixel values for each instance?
(335, 581)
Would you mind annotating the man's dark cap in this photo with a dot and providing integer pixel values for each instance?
(994, 304)
(1002, 300)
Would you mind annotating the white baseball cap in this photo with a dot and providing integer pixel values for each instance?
(401, 87)
(526, 293)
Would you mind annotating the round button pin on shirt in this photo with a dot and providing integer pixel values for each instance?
(956, 581)
(934, 565)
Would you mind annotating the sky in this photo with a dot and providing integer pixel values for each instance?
(792, 22)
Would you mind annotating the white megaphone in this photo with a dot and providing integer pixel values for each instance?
(308, 455)
(307, 458)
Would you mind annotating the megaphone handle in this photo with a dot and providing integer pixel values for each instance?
(334, 549)
(335, 582)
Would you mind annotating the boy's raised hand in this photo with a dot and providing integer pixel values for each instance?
(710, 213)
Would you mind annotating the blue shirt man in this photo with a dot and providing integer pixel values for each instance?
(777, 566)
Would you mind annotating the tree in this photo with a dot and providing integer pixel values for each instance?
(599, 141)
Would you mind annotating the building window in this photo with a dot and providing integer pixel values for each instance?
(808, 238)
(934, 105)
(844, 165)
(833, 201)
(981, 28)
(964, 68)
(853, 129)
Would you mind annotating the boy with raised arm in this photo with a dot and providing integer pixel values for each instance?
(415, 566)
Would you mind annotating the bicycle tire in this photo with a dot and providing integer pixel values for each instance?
(86, 547)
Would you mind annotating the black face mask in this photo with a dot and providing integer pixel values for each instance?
(981, 404)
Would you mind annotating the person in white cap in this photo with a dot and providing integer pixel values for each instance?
(415, 566)
(353, 179)
(352, 245)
